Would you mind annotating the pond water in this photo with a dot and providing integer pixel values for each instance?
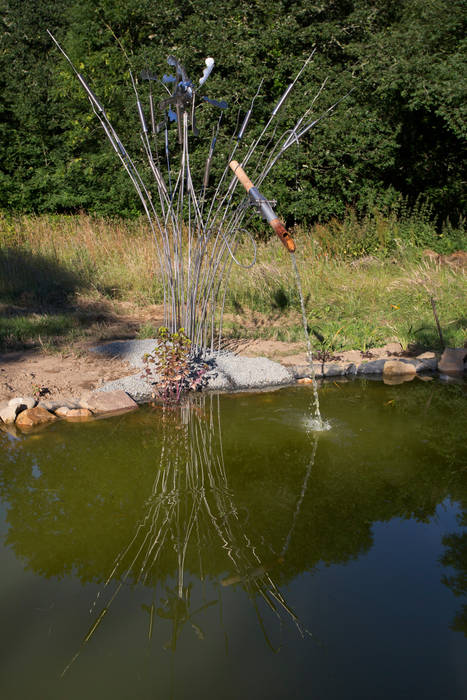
(224, 551)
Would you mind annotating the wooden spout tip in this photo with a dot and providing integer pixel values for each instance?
(284, 236)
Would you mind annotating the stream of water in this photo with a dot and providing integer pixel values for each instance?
(316, 422)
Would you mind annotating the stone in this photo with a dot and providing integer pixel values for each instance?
(299, 371)
(26, 401)
(338, 369)
(452, 361)
(109, 402)
(8, 414)
(54, 404)
(333, 369)
(32, 417)
(397, 368)
(372, 367)
(10, 409)
(428, 362)
(73, 413)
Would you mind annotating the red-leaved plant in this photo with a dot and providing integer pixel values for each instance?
(172, 363)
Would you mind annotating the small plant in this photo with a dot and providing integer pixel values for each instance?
(39, 391)
(173, 366)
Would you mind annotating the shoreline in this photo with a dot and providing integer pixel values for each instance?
(115, 387)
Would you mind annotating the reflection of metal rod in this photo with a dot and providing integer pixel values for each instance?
(263, 207)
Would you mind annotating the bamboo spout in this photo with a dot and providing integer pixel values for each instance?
(264, 207)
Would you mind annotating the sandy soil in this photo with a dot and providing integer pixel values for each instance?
(72, 373)
(35, 373)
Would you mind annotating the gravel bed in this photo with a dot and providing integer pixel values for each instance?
(228, 372)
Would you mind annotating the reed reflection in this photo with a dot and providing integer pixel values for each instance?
(191, 516)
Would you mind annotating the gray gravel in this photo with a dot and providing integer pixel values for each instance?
(229, 372)
(131, 351)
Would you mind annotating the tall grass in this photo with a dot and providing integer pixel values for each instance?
(359, 304)
(112, 258)
(365, 281)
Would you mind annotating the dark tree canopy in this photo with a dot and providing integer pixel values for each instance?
(401, 132)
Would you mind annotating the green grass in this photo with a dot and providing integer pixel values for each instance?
(23, 330)
(358, 304)
(352, 302)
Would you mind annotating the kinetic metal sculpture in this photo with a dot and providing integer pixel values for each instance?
(196, 239)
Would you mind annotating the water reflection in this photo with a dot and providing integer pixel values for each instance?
(189, 507)
(455, 557)
(190, 513)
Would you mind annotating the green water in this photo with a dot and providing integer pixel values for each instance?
(223, 551)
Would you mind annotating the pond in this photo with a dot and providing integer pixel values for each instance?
(222, 550)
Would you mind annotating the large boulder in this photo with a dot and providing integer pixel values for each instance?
(109, 402)
(453, 361)
(33, 417)
(398, 368)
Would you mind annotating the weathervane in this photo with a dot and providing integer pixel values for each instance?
(184, 92)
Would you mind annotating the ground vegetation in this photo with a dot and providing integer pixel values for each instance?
(67, 278)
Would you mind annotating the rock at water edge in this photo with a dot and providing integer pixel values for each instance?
(428, 362)
(109, 402)
(372, 367)
(453, 361)
(8, 414)
(33, 417)
(399, 368)
(54, 404)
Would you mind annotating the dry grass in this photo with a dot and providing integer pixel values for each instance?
(356, 303)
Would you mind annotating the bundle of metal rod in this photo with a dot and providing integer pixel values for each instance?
(198, 227)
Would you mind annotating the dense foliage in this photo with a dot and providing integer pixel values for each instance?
(400, 133)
